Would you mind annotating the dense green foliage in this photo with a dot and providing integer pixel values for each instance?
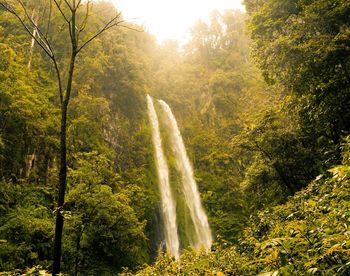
(309, 235)
(111, 202)
(263, 103)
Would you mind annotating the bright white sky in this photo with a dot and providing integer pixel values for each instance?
(171, 19)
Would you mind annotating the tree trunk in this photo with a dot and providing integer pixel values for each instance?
(61, 192)
(63, 169)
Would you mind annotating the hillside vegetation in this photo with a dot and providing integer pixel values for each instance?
(308, 235)
(262, 100)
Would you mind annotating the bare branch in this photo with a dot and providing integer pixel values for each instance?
(69, 5)
(49, 20)
(30, 18)
(40, 42)
(43, 43)
(84, 23)
(77, 6)
(58, 5)
(131, 28)
(41, 35)
(113, 22)
(70, 30)
(58, 74)
(5, 5)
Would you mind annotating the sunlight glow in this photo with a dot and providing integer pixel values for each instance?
(171, 19)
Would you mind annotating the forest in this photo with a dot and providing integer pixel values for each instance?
(262, 104)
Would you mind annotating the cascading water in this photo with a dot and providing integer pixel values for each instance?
(168, 208)
(203, 237)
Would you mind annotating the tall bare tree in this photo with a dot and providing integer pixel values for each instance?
(68, 10)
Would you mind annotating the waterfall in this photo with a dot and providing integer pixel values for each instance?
(203, 238)
(168, 208)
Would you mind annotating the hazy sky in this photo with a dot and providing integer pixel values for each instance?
(171, 19)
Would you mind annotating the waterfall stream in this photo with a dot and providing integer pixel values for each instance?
(203, 238)
(168, 207)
